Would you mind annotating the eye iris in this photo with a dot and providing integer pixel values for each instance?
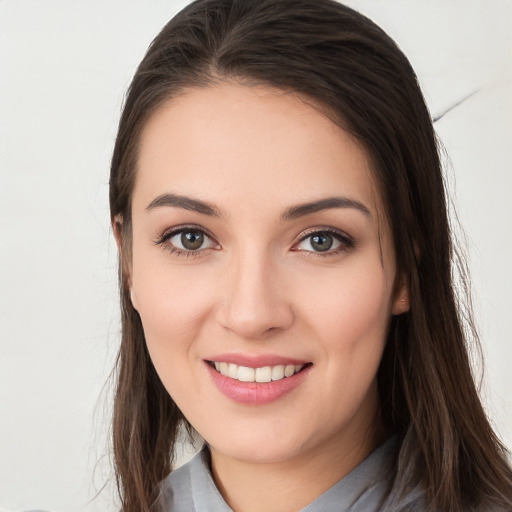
(321, 242)
(192, 240)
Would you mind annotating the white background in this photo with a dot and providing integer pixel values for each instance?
(64, 66)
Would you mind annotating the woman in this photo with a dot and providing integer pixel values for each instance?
(277, 199)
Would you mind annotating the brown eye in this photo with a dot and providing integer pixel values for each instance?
(192, 240)
(329, 242)
(188, 239)
(321, 242)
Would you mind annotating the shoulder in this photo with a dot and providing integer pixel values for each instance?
(416, 501)
(177, 488)
(190, 488)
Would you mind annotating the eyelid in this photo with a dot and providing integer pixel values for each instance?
(346, 240)
(175, 230)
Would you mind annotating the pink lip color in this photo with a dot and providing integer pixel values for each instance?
(256, 393)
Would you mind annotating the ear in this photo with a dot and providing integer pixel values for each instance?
(135, 301)
(401, 302)
(117, 228)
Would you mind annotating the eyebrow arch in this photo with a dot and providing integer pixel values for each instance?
(187, 203)
(301, 210)
(294, 212)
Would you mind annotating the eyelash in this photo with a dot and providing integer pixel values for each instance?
(346, 242)
(170, 233)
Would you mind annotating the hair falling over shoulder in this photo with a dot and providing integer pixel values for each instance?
(346, 64)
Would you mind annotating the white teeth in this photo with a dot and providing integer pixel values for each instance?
(264, 374)
(233, 371)
(289, 370)
(278, 372)
(246, 374)
(224, 368)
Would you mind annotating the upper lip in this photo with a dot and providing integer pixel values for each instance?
(252, 361)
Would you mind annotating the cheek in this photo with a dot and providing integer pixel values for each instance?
(172, 306)
(172, 300)
(350, 318)
(351, 305)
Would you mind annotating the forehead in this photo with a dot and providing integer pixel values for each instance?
(253, 144)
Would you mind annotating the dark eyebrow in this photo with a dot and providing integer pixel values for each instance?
(187, 203)
(301, 210)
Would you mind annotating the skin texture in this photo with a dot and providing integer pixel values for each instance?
(258, 287)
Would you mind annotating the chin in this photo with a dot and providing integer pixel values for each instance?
(260, 447)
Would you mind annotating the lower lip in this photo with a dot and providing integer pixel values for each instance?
(256, 393)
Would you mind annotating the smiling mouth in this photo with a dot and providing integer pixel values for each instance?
(263, 374)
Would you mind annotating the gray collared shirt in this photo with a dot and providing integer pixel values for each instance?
(191, 488)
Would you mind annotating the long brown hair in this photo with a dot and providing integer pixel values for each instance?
(349, 66)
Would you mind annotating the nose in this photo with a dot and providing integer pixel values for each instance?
(254, 301)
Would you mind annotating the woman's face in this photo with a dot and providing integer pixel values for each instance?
(260, 248)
